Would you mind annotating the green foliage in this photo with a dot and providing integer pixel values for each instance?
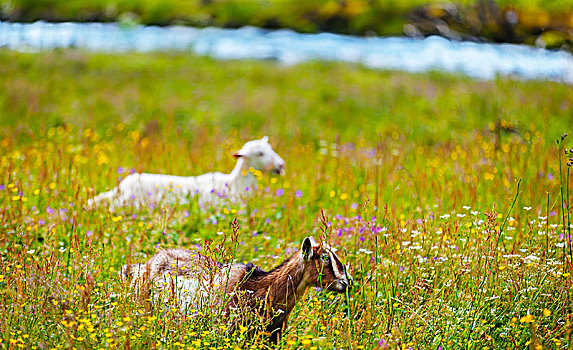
(417, 174)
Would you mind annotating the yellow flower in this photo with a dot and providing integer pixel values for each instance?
(546, 312)
(306, 341)
(526, 319)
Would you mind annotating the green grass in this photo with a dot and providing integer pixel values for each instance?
(416, 172)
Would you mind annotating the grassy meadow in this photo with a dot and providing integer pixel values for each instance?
(442, 194)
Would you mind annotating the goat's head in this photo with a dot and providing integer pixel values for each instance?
(261, 156)
(323, 268)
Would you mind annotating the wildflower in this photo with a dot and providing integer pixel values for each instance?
(279, 192)
(298, 194)
(526, 319)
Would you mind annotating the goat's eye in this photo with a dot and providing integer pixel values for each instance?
(260, 154)
(325, 257)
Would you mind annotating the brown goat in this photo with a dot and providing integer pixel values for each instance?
(239, 289)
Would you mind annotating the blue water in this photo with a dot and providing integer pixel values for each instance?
(482, 61)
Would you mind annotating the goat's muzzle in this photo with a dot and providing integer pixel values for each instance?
(279, 170)
(339, 287)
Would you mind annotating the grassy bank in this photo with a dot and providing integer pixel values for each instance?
(417, 174)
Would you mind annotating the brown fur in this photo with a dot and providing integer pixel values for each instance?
(246, 289)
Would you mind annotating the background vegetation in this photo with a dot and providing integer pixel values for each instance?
(417, 174)
(544, 23)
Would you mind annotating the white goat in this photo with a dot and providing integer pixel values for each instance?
(140, 189)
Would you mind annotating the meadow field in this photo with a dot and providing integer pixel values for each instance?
(447, 197)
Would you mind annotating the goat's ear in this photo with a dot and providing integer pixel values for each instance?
(307, 247)
(265, 139)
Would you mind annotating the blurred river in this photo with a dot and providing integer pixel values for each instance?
(477, 60)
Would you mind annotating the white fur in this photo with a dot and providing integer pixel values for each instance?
(141, 189)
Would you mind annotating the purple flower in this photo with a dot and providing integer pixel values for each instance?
(89, 233)
(298, 194)
(186, 214)
(41, 222)
(268, 221)
(134, 216)
(550, 176)
(354, 206)
(157, 245)
(255, 234)
(120, 170)
(1, 187)
(50, 210)
(279, 192)
(361, 239)
(132, 171)
(247, 189)
(382, 343)
(339, 232)
(163, 233)
(373, 219)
